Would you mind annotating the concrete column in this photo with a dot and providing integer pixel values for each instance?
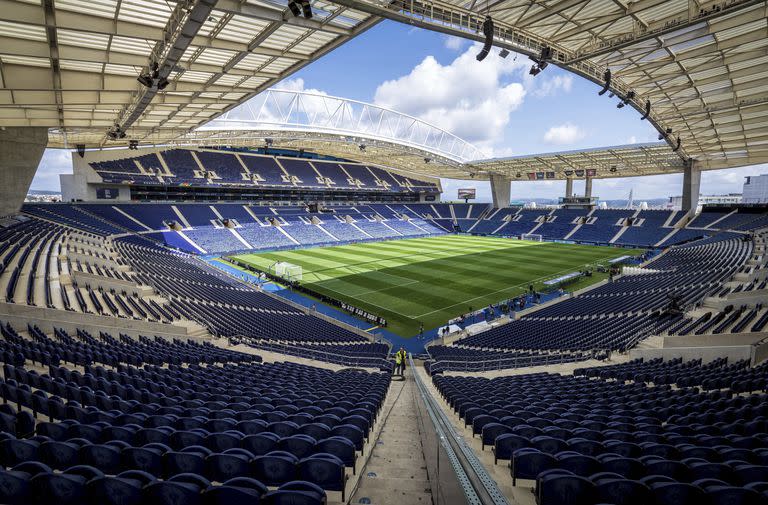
(21, 149)
(691, 186)
(501, 186)
(568, 187)
(588, 187)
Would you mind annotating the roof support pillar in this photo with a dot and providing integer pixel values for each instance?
(501, 187)
(588, 187)
(21, 149)
(691, 186)
(568, 187)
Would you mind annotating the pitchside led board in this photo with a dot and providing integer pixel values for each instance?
(467, 193)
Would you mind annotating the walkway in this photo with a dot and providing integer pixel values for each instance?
(396, 472)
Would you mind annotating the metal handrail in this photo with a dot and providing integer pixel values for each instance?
(338, 357)
(479, 487)
(502, 363)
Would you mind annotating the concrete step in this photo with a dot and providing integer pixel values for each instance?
(396, 472)
(393, 491)
(387, 471)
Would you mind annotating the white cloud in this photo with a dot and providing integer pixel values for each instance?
(553, 85)
(53, 163)
(297, 84)
(453, 43)
(564, 134)
(468, 98)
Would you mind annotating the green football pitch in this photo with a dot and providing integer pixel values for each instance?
(431, 280)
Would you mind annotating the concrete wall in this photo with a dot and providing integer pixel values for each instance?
(109, 283)
(21, 150)
(719, 340)
(47, 319)
(691, 187)
(760, 352)
(706, 354)
(738, 299)
(501, 188)
(76, 187)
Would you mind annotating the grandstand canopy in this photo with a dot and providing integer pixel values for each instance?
(703, 65)
(72, 65)
(617, 161)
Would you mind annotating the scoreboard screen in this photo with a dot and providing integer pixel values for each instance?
(467, 193)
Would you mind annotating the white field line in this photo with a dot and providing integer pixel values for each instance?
(409, 316)
(532, 281)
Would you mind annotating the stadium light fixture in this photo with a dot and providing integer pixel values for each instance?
(624, 101)
(541, 62)
(295, 9)
(665, 134)
(145, 79)
(152, 78)
(488, 32)
(361, 147)
(607, 85)
(647, 110)
(300, 7)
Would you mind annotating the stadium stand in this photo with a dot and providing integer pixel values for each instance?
(620, 313)
(224, 403)
(223, 168)
(606, 435)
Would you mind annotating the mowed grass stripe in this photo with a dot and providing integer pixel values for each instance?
(432, 279)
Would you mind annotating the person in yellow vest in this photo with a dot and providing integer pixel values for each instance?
(400, 358)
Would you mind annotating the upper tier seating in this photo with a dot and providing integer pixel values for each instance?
(560, 224)
(603, 229)
(650, 230)
(224, 168)
(647, 228)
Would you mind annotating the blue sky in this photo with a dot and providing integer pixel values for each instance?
(494, 104)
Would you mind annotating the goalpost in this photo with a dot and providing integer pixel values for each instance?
(287, 271)
(536, 237)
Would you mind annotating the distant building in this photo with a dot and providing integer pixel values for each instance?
(676, 202)
(755, 189)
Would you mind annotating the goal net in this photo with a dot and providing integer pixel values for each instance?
(531, 236)
(287, 271)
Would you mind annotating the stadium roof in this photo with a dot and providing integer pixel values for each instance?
(702, 65)
(72, 64)
(617, 161)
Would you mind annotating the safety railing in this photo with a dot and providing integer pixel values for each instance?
(455, 474)
(337, 357)
(440, 365)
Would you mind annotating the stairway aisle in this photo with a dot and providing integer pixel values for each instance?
(396, 472)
